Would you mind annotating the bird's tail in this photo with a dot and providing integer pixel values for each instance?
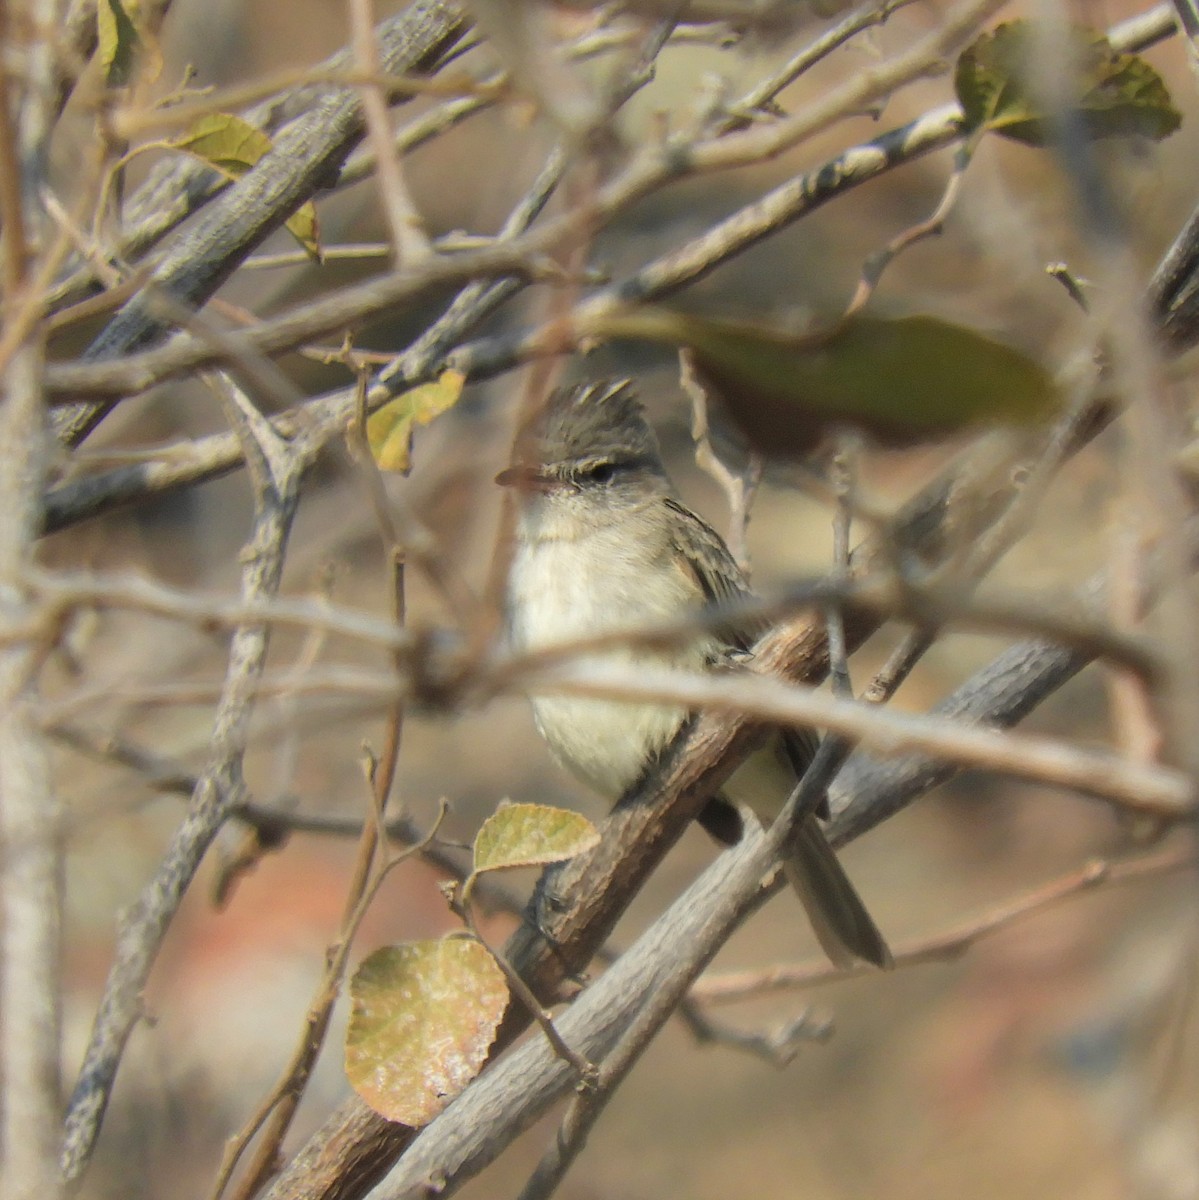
(843, 926)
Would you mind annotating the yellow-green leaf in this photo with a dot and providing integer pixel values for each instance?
(117, 40)
(423, 1016)
(1118, 95)
(389, 431)
(228, 142)
(232, 146)
(902, 380)
(304, 227)
(531, 835)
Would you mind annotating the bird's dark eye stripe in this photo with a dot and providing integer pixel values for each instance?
(604, 471)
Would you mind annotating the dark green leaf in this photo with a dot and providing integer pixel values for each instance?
(902, 380)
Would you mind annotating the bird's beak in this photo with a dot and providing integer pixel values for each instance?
(526, 478)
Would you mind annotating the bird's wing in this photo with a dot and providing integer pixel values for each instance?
(715, 569)
(723, 582)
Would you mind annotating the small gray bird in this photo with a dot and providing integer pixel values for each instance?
(603, 542)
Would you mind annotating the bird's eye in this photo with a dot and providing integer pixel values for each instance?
(601, 472)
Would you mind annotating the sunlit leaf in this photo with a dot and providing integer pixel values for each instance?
(117, 40)
(423, 1016)
(232, 146)
(902, 380)
(389, 431)
(1119, 95)
(530, 835)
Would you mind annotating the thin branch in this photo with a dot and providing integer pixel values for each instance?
(586, 1074)
(899, 665)
(734, 987)
(931, 226)
(759, 100)
(276, 472)
(276, 821)
(739, 490)
(777, 1047)
(408, 236)
(1161, 791)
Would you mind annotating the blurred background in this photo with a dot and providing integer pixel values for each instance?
(1057, 1057)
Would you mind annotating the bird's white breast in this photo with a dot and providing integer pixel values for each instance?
(591, 581)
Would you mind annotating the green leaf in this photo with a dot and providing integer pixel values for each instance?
(531, 835)
(902, 380)
(117, 41)
(389, 431)
(232, 146)
(423, 1016)
(1119, 95)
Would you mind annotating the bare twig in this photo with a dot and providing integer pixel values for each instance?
(275, 821)
(1138, 731)
(1158, 790)
(899, 665)
(276, 471)
(408, 236)
(733, 987)
(759, 101)
(776, 1047)
(585, 1071)
(931, 226)
(739, 490)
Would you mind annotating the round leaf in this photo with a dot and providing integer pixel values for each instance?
(423, 1017)
(1119, 95)
(531, 835)
(902, 380)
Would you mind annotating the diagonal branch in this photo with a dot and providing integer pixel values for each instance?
(276, 471)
